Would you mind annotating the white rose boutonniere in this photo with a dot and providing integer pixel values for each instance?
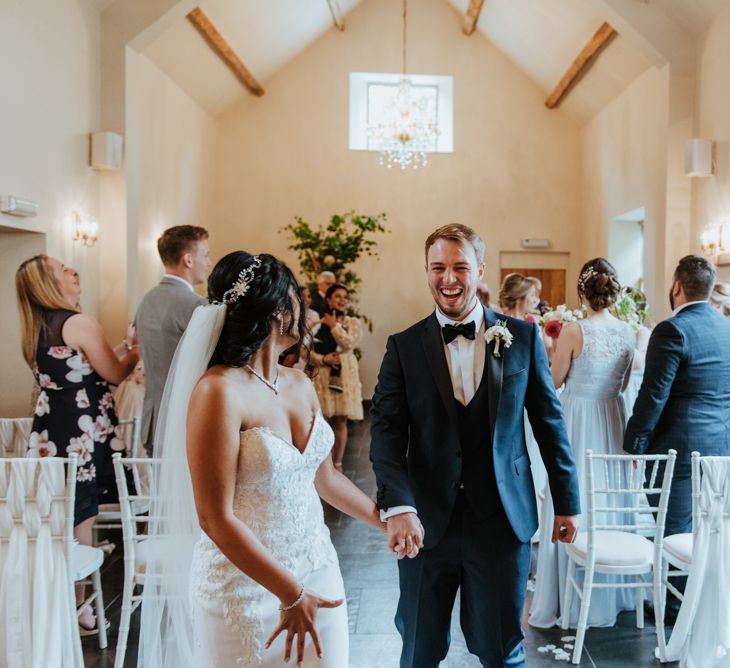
(500, 335)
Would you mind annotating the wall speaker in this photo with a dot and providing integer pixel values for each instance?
(105, 151)
(698, 157)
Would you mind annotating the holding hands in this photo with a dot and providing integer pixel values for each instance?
(405, 535)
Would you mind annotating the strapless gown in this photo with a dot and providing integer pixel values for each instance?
(275, 497)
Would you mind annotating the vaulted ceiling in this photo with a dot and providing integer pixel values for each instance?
(542, 37)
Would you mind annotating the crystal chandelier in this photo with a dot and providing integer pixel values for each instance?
(409, 129)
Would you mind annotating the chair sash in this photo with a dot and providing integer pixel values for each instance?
(38, 625)
(14, 435)
(701, 636)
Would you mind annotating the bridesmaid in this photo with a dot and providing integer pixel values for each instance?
(593, 359)
(517, 298)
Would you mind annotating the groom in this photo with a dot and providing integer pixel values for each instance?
(449, 456)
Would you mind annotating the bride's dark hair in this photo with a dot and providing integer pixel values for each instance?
(272, 291)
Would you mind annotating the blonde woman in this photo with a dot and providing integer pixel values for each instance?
(720, 298)
(517, 296)
(74, 413)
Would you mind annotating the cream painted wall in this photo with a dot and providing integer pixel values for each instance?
(169, 157)
(711, 195)
(624, 168)
(49, 68)
(515, 171)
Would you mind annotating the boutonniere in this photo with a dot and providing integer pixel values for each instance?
(500, 335)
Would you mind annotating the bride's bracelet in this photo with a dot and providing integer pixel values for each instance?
(285, 608)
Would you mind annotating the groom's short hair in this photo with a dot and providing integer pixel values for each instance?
(461, 234)
(697, 277)
(178, 240)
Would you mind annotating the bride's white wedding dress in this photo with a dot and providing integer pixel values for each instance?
(275, 497)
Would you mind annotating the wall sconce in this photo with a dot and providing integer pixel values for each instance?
(86, 230)
(709, 241)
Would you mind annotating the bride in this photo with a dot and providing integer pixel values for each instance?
(248, 470)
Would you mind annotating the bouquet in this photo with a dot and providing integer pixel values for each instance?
(631, 307)
(552, 322)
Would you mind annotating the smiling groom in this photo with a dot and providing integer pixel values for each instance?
(453, 474)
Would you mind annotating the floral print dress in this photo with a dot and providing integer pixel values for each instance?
(74, 414)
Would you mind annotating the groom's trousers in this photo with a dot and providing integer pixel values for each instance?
(482, 558)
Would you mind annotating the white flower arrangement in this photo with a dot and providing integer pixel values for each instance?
(552, 322)
(500, 334)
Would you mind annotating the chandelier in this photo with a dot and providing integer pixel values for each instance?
(408, 130)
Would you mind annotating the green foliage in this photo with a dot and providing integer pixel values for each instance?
(335, 247)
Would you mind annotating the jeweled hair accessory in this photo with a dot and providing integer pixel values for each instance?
(583, 278)
(242, 284)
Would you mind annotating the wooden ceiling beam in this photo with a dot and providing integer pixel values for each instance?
(223, 50)
(336, 13)
(581, 64)
(471, 17)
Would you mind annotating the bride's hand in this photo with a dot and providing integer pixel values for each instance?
(300, 620)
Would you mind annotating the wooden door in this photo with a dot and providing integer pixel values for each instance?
(553, 282)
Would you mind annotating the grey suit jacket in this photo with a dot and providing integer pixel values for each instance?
(161, 319)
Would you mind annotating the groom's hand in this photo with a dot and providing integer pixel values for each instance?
(565, 528)
(405, 535)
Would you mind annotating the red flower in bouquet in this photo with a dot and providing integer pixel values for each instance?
(552, 328)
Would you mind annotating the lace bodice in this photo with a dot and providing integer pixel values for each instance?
(276, 498)
(600, 369)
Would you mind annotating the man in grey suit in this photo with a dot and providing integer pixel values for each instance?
(165, 311)
(684, 401)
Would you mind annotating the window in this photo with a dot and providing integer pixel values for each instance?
(373, 98)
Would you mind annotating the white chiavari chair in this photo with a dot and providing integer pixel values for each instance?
(134, 514)
(617, 490)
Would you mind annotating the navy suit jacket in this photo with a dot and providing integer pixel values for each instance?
(684, 401)
(415, 432)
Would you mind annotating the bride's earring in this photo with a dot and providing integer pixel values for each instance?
(280, 318)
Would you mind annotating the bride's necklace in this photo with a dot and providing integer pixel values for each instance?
(272, 386)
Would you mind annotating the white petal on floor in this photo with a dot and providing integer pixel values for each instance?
(567, 638)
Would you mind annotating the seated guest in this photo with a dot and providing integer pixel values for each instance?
(684, 399)
(74, 414)
(338, 407)
(720, 298)
(324, 281)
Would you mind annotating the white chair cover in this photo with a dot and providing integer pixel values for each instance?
(14, 436)
(701, 636)
(37, 611)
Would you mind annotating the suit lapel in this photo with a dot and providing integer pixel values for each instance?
(494, 373)
(433, 346)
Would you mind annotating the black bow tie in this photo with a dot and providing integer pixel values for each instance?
(450, 332)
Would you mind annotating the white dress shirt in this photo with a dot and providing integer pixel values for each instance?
(684, 306)
(465, 360)
(182, 280)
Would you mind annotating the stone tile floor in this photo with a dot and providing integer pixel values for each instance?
(371, 580)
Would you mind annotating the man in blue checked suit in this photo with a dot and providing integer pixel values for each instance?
(452, 470)
(684, 400)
